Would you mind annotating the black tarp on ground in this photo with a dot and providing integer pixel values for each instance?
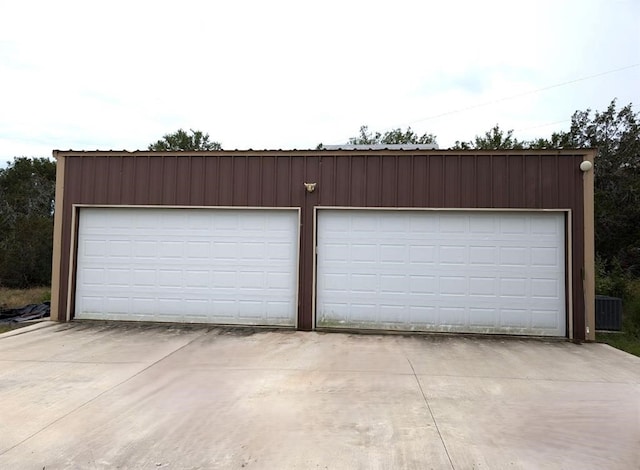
(26, 313)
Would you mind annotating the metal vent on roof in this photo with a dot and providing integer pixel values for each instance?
(382, 147)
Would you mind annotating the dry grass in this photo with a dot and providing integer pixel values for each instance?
(4, 327)
(14, 298)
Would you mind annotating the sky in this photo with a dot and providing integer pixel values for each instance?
(285, 74)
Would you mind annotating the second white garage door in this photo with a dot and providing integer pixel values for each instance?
(226, 266)
(446, 271)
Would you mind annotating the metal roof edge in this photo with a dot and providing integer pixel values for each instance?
(339, 151)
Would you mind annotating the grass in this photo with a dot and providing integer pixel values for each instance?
(624, 341)
(14, 298)
(629, 339)
(4, 327)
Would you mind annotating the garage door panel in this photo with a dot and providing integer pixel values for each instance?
(544, 288)
(453, 316)
(514, 256)
(483, 286)
(482, 317)
(544, 319)
(542, 257)
(422, 284)
(514, 225)
(422, 254)
(423, 315)
(467, 272)
(514, 318)
(187, 265)
(451, 224)
(482, 226)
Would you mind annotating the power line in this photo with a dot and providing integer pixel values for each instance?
(542, 125)
(526, 93)
(556, 122)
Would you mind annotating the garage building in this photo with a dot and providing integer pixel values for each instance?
(403, 239)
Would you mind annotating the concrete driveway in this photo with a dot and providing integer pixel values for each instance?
(93, 395)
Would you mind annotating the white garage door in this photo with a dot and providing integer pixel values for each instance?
(222, 266)
(483, 272)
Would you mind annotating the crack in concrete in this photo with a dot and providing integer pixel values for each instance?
(426, 402)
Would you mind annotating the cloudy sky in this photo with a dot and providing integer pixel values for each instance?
(290, 74)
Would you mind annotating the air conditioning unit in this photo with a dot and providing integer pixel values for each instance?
(608, 313)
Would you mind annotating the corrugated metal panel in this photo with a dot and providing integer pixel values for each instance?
(437, 179)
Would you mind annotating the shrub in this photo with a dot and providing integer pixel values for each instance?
(613, 282)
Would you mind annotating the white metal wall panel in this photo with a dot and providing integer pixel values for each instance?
(447, 271)
(226, 266)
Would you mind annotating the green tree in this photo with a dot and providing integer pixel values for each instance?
(181, 140)
(557, 140)
(27, 192)
(494, 139)
(394, 136)
(616, 135)
(366, 137)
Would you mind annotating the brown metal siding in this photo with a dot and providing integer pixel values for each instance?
(435, 179)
